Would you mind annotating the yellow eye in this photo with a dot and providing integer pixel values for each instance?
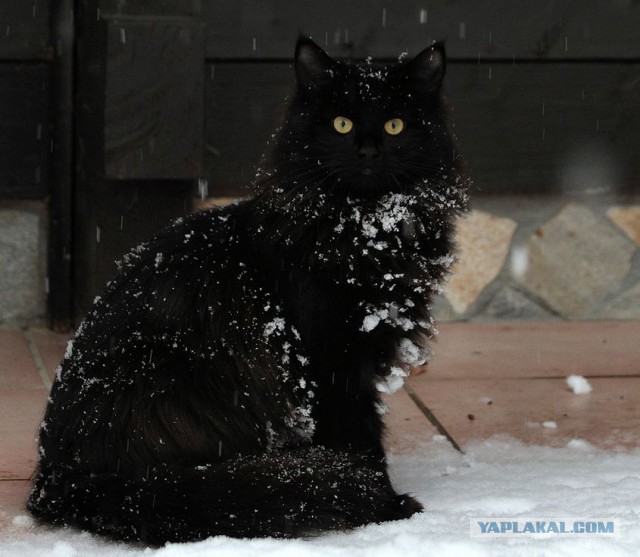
(394, 126)
(342, 124)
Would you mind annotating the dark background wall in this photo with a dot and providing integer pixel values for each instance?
(533, 83)
(536, 86)
(111, 110)
(25, 128)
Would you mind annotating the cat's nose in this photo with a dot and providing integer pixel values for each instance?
(368, 152)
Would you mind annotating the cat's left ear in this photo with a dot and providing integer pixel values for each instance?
(313, 65)
(428, 67)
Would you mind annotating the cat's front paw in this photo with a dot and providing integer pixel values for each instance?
(408, 506)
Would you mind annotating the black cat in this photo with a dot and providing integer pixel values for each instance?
(228, 380)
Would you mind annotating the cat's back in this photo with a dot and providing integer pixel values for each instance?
(201, 239)
(165, 278)
(174, 298)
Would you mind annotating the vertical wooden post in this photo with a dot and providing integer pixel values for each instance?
(60, 305)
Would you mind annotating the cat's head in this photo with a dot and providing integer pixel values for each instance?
(365, 129)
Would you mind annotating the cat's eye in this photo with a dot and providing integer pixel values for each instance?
(342, 124)
(394, 126)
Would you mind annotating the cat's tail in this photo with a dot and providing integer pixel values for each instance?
(290, 494)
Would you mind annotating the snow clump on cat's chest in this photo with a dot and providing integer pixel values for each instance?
(389, 214)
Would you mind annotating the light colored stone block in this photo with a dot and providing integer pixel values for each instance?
(483, 244)
(625, 306)
(511, 304)
(628, 219)
(441, 310)
(574, 260)
(21, 283)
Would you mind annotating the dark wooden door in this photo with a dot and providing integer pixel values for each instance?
(139, 128)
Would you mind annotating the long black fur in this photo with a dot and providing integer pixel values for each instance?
(228, 380)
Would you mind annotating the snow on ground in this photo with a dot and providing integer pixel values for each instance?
(499, 478)
(578, 384)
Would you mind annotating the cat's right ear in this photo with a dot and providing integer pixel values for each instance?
(314, 67)
(427, 69)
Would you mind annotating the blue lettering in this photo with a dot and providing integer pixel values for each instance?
(605, 528)
(593, 527)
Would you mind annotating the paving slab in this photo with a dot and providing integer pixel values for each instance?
(51, 347)
(17, 368)
(536, 349)
(21, 413)
(536, 411)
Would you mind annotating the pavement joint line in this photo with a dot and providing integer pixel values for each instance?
(431, 417)
(37, 358)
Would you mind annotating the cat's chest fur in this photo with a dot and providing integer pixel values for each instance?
(357, 278)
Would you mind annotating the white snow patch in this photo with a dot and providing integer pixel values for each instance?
(69, 350)
(411, 354)
(369, 230)
(276, 325)
(520, 261)
(390, 385)
(381, 408)
(63, 549)
(498, 477)
(392, 382)
(550, 425)
(23, 521)
(505, 506)
(578, 384)
(369, 323)
(580, 444)
(405, 323)
(372, 320)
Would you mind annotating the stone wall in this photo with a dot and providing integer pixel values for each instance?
(520, 257)
(22, 262)
(523, 257)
